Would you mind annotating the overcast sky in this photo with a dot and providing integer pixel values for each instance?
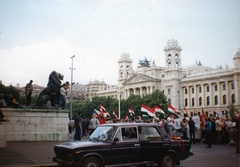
(39, 36)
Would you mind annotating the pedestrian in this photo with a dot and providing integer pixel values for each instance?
(191, 124)
(219, 125)
(236, 130)
(228, 129)
(84, 133)
(170, 122)
(208, 132)
(62, 97)
(78, 126)
(28, 92)
(184, 124)
(94, 123)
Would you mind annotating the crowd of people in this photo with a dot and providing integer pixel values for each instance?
(213, 130)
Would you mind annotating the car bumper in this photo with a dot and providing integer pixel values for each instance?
(65, 163)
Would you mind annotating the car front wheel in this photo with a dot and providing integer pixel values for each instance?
(168, 160)
(92, 162)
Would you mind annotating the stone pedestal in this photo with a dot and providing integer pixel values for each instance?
(3, 142)
(35, 124)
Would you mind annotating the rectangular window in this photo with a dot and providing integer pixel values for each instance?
(208, 88)
(185, 90)
(192, 90)
(169, 91)
(224, 86)
(200, 89)
(232, 85)
(216, 87)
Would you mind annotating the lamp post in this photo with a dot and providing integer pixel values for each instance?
(71, 96)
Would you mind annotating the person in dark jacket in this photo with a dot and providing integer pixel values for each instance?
(191, 124)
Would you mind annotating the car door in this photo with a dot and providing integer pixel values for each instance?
(127, 149)
(153, 144)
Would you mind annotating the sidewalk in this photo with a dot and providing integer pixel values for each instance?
(27, 154)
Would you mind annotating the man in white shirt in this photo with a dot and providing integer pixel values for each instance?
(170, 122)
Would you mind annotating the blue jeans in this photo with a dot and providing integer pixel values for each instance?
(62, 100)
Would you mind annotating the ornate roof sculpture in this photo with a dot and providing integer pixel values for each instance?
(144, 62)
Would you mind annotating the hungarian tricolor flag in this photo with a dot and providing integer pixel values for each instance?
(159, 110)
(148, 111)
(172, 110)
(115, 114)
(185, 112)
(102, 107)
(131, 111)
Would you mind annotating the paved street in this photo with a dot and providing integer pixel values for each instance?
(41, 154)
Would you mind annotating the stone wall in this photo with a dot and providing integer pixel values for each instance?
(35, 124)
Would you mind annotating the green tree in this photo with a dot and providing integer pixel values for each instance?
(9, 92)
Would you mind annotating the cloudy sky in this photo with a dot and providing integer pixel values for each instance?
(39, 36)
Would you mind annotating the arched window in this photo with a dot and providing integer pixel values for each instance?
(224, 99)
(176, 55)
(169, 55)
(193, 103)
(208, 100)
(186, 102)
(216, 100)
(200, 101)
(169, 65)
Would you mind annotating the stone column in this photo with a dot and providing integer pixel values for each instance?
(140, 88)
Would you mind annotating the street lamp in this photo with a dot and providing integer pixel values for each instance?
(71, 86)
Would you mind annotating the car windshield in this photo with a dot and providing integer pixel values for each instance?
(102, 133)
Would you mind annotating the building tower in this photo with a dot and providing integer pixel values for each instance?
(236, 77)
(125, 68)
(173, 73)
(172, 55)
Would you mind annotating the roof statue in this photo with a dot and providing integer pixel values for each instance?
(144, 62)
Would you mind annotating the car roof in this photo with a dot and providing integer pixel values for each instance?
(130, 124)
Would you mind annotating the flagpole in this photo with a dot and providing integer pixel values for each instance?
(119, 106)
(179, 106)
(71, 85)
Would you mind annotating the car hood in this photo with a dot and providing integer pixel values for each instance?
(81, 144)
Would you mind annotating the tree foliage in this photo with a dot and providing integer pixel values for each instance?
(134, 101)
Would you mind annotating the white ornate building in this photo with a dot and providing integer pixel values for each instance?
(194, 87)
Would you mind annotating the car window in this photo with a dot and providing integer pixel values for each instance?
(127, 134)
(146, 133)
(103, 133)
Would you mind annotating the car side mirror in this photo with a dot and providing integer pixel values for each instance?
(116, 139)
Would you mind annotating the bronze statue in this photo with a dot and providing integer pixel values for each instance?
(51, 92)
(144, 62)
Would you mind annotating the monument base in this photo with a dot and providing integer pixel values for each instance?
(35, 124)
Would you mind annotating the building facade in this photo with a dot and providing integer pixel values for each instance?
(194, 87)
